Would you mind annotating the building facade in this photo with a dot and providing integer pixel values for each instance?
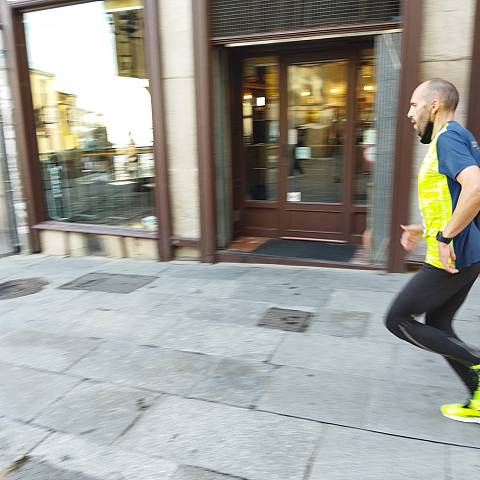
(219, 130)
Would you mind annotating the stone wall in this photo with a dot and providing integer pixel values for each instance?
(179, 93)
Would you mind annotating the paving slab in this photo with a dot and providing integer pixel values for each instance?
(233, 441)
(16, 440)
(141, 301)
(43, 350)
(351, 279)
(414, 365)
(213, 338)
(340, 323)
(363, 301)
(413, 410)
(321, 396)
(342, 356)
(96, 411)
(224, 310)
(359, 455)
(194, 473)
(100, 461)
(134, 267)
(269, 275)
(284, 295)
(24, 392)
(464, 463)
(146, 367)
(43, 471)
(136, 328)
(178, 287)
(206, 272)
(234, 382)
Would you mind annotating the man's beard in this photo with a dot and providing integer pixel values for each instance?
(426, 136)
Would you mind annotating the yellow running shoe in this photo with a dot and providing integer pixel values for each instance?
(461, 413)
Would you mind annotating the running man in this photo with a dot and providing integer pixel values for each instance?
(449, 198)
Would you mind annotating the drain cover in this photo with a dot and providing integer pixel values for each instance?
(288, 320)
(109, 282)
(21, 287)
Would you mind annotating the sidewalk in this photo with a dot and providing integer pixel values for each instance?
(175, 380)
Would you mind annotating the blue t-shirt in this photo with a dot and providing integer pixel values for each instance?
(457, 149)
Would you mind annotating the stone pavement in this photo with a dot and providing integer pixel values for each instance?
(175, 381)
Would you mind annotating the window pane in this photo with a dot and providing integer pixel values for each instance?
(317, 99)
(260, 106)
(366, 133)
(93, 114)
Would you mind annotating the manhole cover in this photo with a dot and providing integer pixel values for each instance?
(21, 287)
(109, 282)
(288, 320)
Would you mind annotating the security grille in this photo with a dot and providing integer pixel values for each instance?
(236, 18)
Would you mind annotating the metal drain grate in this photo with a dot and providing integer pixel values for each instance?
(288, 320)
(109, 282)
(21, 287)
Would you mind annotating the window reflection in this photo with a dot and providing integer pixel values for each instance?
(317, 106)
(92, 110)
(260, 106)
(366, 133)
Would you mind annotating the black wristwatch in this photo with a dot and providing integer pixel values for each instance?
(441, 238)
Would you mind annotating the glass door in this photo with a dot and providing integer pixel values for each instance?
(317, 139)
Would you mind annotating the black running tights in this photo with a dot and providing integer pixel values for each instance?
(437, 294)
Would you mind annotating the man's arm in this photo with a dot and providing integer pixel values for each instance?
(468, 205)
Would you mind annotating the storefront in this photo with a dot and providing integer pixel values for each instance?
(307, 160)
(207, 129)
(86, 80)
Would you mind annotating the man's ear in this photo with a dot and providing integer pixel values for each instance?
(435, 105)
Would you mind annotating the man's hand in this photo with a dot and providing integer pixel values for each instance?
(447, 257)
(412, 234)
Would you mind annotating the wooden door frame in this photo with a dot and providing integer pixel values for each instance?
(343, 207)
(26, 142)
(315, 52)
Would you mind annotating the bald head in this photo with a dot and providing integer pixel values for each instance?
(442, 90)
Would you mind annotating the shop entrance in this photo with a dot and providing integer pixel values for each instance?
(303, 144)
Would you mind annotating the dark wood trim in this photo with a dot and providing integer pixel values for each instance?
(36, 5)
(303, 33)
(154, 65)
(27, 150)
(410, 58)
(350, 140)
(284, 147)
(473, 118)
(204, 104)
(240, 257)
(94, 229)
(236, 141)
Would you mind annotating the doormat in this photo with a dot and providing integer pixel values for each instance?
(108, 282)
(333, 252)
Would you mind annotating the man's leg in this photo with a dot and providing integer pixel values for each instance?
(427, 292)
(442, 319)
